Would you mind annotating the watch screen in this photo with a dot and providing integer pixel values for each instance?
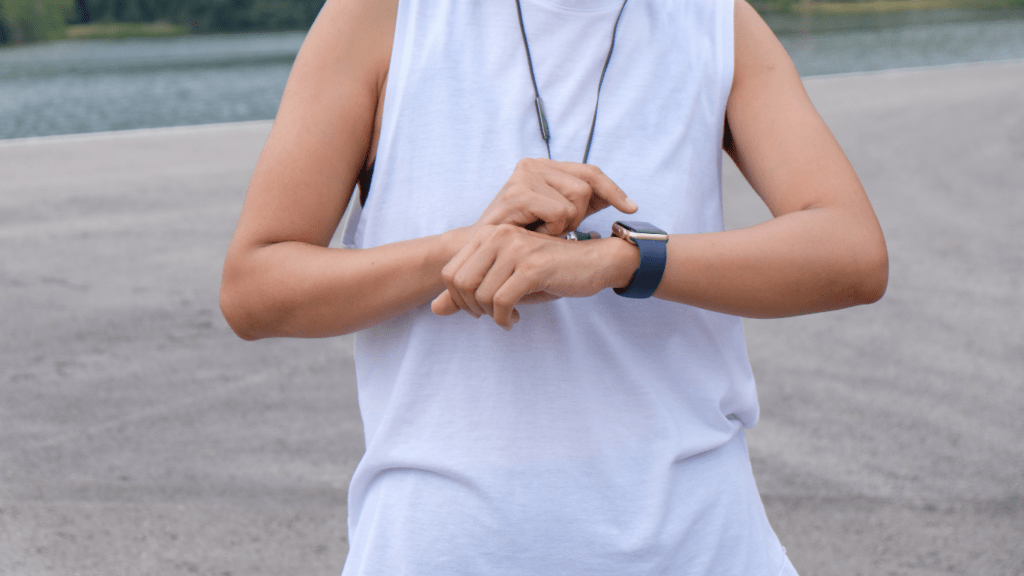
(641, 227)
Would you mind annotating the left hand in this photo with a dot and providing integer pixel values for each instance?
(554, 197)
(505, 265)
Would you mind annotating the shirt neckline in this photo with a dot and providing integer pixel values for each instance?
(581, 5)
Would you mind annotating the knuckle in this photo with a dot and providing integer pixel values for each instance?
(527, 164)
(484, 296)
(462, 283)
(503, 301)
(518, 239)
(579, 188)
(503, 231)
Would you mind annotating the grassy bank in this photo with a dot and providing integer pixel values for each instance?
(880, 6)
(117, 30)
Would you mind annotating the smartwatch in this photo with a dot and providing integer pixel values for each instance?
(652, 242)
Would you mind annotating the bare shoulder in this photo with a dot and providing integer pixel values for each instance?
(324, 126)
(777, 138)
(356, 34)
(757, 49)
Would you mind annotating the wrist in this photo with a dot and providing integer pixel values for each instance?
(652, 243)
(620, 258)
(452, 241)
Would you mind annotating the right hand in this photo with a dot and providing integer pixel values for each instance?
(504, 266)
(553, 197)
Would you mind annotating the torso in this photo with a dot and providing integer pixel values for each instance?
(573, 444)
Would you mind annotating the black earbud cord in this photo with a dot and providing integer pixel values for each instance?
(542, 119)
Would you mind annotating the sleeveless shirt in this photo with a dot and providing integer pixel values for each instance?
(601, 435)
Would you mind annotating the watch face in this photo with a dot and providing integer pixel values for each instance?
(641, 227)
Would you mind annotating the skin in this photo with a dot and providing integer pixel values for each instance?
(823, 249)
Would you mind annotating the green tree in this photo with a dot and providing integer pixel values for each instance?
(28, 20)
(204, 15)
(33, 20)
(246, 15)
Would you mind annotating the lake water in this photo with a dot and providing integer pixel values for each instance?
(97, 85)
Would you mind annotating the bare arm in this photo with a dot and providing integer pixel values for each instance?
(280, 278)
(823, 249)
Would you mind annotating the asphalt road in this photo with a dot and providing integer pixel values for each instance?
(139, 436)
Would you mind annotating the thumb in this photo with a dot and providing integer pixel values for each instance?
(512, 320)
(444, 305)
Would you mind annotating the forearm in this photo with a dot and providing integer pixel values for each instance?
(806, 261)
(298, 289)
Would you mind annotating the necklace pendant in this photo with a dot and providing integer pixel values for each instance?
(542, 119)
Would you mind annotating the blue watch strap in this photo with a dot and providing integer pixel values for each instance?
(653, 254)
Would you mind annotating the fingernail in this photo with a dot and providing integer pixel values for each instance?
(630, 204)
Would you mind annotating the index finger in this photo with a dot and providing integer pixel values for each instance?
(604, 187)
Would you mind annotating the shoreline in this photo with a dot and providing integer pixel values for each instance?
(120, 30)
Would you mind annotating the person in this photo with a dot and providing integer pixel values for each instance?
(519, 416)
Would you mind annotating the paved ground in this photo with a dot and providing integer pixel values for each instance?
(138, 436)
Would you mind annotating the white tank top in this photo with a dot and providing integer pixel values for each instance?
(602, 435)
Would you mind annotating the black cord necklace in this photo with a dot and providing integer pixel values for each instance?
(542, 119)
